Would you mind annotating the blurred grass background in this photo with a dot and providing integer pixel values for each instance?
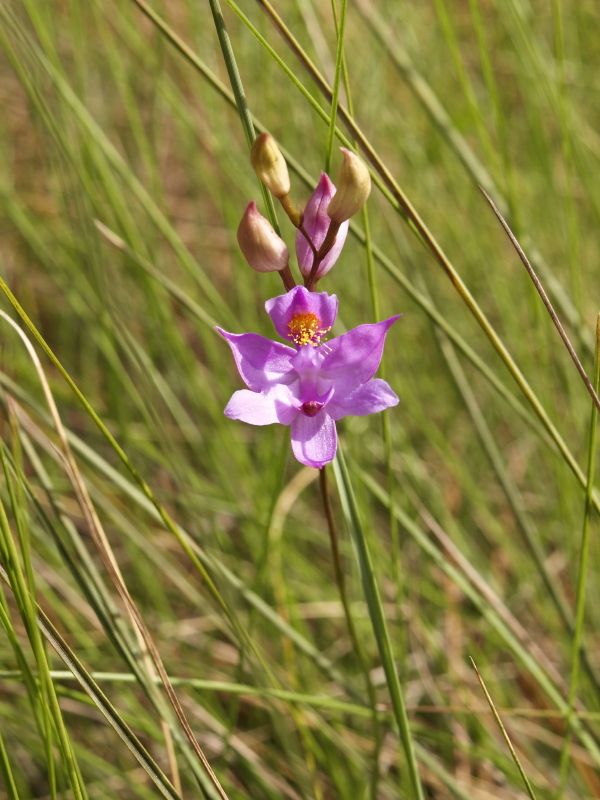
(105, 121)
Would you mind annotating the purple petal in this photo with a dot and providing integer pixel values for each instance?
(316, 224)
(261, 362)
(314, 439)
(263, 408)
(300, 301)
(308, 360)
(370, 398)
(353, 358)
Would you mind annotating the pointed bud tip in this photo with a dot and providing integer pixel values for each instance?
(269, 165)
(325, 182)
(353, 188)
(262, 248)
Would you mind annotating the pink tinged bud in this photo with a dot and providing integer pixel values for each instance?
(269, 165)
(316, 224)
(263, 249)
(354, 188)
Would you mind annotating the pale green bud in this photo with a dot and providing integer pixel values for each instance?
(262, 248)
(353, 188)
(269, 165)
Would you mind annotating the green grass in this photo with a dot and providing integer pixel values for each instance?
(124, 172)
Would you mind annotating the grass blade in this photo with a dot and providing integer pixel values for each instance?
(92, 689)
(528, 786)
(5, 769)
(583, 570)
(378, 620)
(240, 98)
(339, 56)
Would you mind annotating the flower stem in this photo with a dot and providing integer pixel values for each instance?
(328, 243)
(341, 583)
(287, 278)
(378, 619)
(290, 209)
(337, 565)
(311, 244)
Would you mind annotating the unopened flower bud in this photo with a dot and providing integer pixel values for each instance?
(354, 187)
(262, 248)
(270, 166)
(316, 225)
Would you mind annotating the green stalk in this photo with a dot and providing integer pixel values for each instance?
(377, 615)
(9, 782)
(31, 685)
(240, 99)
(513, 752)
(354, 638)
(336, 81)
(50, 704)
(385, 416)
(19, 513)
(567, 153)
(315, 701)
(582, 577)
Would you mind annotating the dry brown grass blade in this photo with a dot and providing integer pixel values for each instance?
(545, 299)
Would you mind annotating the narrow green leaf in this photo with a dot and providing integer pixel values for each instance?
(376, 613)
(513, 752)
(577, 645)
(339, 56)
(240, 98)
(9, 782)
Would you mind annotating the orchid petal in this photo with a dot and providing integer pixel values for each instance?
(316, 224)
(263, 408)
(314, 439)
(261, 362)
(370, 398)
(300, 301)
(353, 358)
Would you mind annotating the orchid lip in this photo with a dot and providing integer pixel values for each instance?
(311, 408)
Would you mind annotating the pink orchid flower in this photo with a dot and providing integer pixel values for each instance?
(316, 224)
(313, 383)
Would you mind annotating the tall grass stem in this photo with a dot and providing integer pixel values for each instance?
(376, 613)
(339, 57)
(582, 575)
